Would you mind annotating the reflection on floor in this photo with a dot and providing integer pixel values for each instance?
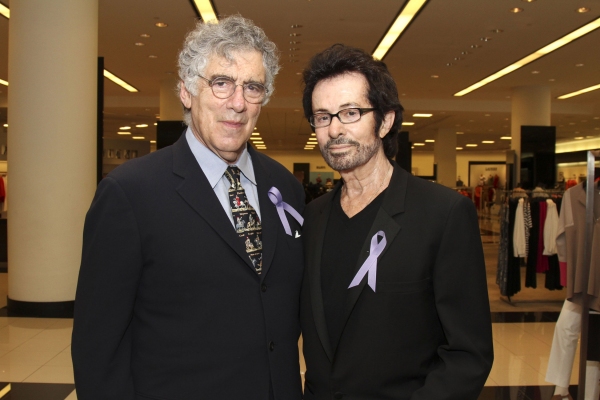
(35, 353)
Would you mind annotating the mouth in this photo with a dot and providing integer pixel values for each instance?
(233, 124)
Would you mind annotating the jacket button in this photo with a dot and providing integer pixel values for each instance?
(271, 345)
(263, 287)
(338, 395)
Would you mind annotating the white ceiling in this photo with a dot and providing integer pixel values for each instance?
(441, 32)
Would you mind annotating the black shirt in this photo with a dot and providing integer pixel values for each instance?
(343, 242)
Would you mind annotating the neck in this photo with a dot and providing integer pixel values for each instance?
(366, 178)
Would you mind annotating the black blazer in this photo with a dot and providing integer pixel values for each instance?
(168, 305)
(426, 332)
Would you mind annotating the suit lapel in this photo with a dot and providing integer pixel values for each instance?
(313, 262)
(197, 192)
(269, 216)
(393, 204)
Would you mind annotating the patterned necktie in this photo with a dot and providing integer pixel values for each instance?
(245, 218)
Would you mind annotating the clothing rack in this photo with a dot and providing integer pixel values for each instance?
(585, 312)
(503, 197)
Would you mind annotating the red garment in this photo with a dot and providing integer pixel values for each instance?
(570, 183)
(2, 190)
(542, 260)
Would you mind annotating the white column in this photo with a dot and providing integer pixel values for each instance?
(170, 105)
(444, 155)
(53, 52)
(530, 105)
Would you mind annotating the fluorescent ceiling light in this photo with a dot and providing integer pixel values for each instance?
(471, 145)
(138, 137)
(429, 141)
(3, 82)
(119, 81)
(402, 21)
(255, 133)
(568, 38)
(141, 126)
(506, 138)
(255, 138)
(124, 128)
(577, 93)
(487, 141)
(408, 123)
(312, 139)
(460, 133)
(5, 125)
(422, 115)
(123, 133)
(313, 134)
(418, 144)
(259, 142)
(459, 148)
(153, 141)
(4, 11)
(206, 10)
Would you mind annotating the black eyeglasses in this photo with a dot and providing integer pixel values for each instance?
(224, 88)
(346, 116)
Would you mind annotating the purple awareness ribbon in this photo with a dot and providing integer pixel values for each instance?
(370, 264)
(277, 199)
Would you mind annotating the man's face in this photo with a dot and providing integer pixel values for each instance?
(347, 146)
(225, 125)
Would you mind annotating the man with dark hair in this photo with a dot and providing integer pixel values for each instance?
(191, 272)
(394, 301)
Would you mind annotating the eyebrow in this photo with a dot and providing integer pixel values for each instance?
(215, 76)
(341, 107)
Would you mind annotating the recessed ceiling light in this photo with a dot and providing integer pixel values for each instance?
(535, 72)
(138, 137)
(418, 144)
(471, 145)
(295, 34)
(123, 133)
(141, 126)
(152, 56)
(161, 25)
(579, 65)
(460, 133)
(153, 141)
(402, 21)
(516, 10)
(488, 141)
(5, 125)
(475, 46)
(313, 134)
(551, 80)
(448, 64)
(459, 148)
(294, 49)
(408, 123)
(312, 139)
(139, 44)
(294, 42)
(124, 128)
(486, 39)
(258, 142)
(435, 76)
(296, 26)
(583, 10)
(528, 1)
(144, 35)
(298, 73)
(255, 138)
(506, 138)
(486, 115)
(422, 115)
(457, 58)
(497, 30)
(590, 137)
(465, 52)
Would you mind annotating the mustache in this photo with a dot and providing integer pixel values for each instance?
(341, 140)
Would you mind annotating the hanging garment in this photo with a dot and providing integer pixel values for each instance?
(519, 246)
(501, 273)
(550, 228)
(542, 260)
(570, 244)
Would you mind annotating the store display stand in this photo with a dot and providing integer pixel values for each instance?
(589, 227)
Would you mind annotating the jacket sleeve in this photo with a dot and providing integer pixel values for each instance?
(110, 271)
(461, 298)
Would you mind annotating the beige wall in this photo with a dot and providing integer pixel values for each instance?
(313, 157)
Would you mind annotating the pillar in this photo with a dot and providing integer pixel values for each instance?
(444, 156)
(530, 105)
(52, 64)
(170, 127)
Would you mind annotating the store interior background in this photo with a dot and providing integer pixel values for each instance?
(450, 45)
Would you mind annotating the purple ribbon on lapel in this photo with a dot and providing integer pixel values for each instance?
(277, 199)
(370, 264)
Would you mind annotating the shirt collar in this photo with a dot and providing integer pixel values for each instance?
(213, 166)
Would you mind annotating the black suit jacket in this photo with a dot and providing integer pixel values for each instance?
(168, 305)
(425, 333)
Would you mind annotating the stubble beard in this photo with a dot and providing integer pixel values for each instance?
(349, 159)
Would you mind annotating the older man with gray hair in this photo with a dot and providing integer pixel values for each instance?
(191, 270)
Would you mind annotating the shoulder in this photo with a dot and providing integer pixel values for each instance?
(278, 173)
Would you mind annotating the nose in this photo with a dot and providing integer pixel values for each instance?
(236, 101)
(335, 128)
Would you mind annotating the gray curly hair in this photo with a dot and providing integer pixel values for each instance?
(229, 35)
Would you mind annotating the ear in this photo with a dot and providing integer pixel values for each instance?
(386, 124)
(185, 96)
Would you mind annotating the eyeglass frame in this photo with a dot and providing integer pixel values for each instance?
(361, 112)
(243, 85)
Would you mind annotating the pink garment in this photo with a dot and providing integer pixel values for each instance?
(542, 260)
